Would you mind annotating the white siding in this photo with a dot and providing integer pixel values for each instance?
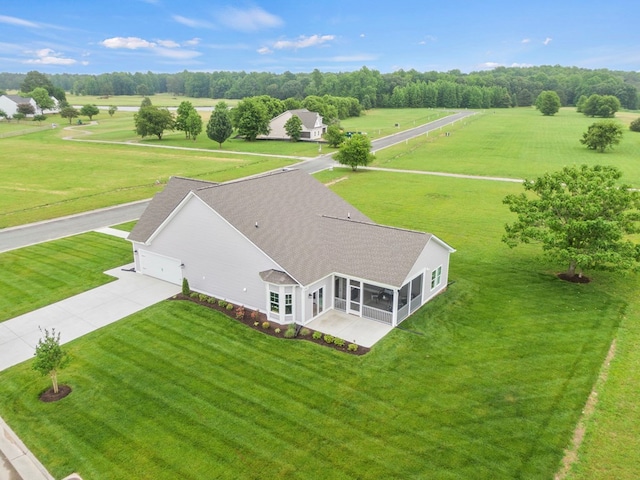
(218, 260)
(433, 256)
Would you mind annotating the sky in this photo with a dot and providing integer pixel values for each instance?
(167, 36)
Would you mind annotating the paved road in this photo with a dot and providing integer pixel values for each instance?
(17, 237)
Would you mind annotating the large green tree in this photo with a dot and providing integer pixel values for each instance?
(604, 106)
(42, 98)
(334, 135)
(193, 125)
(182, 113)
(355, 151)
(251, 118)
(89, 110)
(293, 127)
(219, 127)
(602, 135)
(69, 112)
(548, 102)
(152, 120)
(582, 216)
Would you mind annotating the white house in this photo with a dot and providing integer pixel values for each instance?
(312, 126)
(9, 103)
(284, 244)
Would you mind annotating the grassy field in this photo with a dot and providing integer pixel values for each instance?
(517, 143)
(487, 381)
(160, 100)
(39, 275)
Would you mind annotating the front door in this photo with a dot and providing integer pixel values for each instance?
(318, 301)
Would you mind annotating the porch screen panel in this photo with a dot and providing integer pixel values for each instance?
(416, 293)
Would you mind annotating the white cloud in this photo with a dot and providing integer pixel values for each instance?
(488, 65)
(131, 43)
(47, 56)
(19, 22)
(547, 41)
(190, 22)
(526, 40)
(178, 54)
(191, 43)
(303, 42)
(521, 65)
(168, 43)
(249, 20)
(264, 51)
(362, 35)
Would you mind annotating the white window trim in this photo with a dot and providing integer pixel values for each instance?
(436, 274)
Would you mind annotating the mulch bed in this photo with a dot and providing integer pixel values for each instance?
(251, 317)
(573, 278)
(50, 396)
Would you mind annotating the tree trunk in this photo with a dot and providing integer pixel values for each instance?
(54, 381)
(572, 269)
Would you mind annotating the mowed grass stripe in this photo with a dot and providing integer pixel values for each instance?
(42, 274)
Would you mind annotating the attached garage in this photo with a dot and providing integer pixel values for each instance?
(159, 266)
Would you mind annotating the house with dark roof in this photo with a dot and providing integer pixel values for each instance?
(286, 245)
(9, 103)
(312, 126)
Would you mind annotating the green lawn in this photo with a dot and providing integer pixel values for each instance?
(159, 100)
(36, 276)
(487, 381)
(517, 143)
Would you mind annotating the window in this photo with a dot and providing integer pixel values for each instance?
(274, 301)
(436, 277)
(288, 304)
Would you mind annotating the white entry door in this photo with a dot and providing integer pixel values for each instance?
(160, 266)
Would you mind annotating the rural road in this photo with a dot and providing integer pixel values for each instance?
(30, 234)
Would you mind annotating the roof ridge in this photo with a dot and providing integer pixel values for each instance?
(374, 224)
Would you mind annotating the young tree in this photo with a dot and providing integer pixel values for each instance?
(293, 127)
(219, 127)
(18, 116)
(146, 102)
(334, 135)
(602, 135)
(193, 125)
(89, 110)
(355, 151)
(581, 216)
(184, 109)
(42, 98)
(26, 109)
(153, 121)
(112, 109)
(39, 118)
(69, 112)
(50, 357)
(548, 102)
(634, 126)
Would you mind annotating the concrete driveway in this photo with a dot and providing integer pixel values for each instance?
(82, 313)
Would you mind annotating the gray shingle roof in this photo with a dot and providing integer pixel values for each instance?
(18, 99)
(308, 118)
(306, 228)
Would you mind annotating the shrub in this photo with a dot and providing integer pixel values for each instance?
(254, 315)
(317, 335)
(193, 294)
(222, 303)
(255, 324)
(212, 300)
(328, 338)
(635, 125)
(266, 325)
(239, 313)
(291, 331)
(339, 342)
(185, 287)
(229, 306)
(202, 297)
(352, 347)
(277, 330)
(305, 332)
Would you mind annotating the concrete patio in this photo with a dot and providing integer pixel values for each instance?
(353, 329)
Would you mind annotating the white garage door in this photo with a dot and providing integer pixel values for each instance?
(159, 266)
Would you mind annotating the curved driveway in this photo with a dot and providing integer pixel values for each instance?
(24, 235)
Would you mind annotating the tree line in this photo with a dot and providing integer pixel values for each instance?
(502, 86)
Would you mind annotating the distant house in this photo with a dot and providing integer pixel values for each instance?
(286, 245)
(9, 103)
(312, 126)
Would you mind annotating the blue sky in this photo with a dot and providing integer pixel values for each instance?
(96, 36)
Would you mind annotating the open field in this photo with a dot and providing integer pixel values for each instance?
(488, 381)
(517, 143)
(160, 100)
